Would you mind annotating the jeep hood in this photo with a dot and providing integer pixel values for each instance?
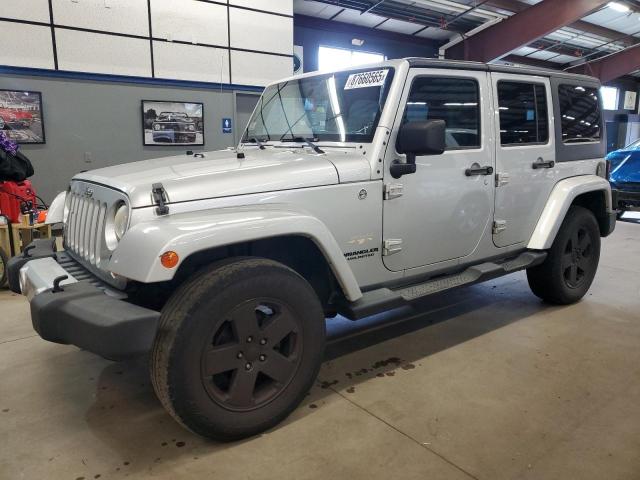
(222, 174)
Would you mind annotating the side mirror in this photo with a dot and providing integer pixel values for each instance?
(426, 137)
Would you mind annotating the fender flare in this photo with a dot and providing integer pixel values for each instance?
(137, 257)
(558, 203)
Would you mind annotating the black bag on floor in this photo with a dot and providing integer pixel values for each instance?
(14, 168)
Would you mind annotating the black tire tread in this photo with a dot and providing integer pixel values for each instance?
(544, 280)
(220, 273)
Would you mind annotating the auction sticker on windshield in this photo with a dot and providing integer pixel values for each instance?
(366, 79)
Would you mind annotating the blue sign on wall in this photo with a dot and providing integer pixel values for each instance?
(227, 125)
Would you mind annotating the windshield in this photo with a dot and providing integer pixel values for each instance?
(338, 107)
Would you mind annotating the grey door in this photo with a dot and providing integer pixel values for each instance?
(245, 103)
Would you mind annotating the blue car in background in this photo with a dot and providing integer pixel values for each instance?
(624, 176)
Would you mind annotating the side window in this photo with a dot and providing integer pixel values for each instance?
(454, 100)
(580, 112)
(523, 113)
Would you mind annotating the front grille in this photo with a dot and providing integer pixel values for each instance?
(85, 227)
(91, 207)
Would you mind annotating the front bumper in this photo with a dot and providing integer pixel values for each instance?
(82, 311)
(625, 198)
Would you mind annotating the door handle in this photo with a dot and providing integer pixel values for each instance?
(476, 169)
(540, 163)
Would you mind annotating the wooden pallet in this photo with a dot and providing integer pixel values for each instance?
(20, 236)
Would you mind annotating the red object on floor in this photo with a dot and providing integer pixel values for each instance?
(13, 195)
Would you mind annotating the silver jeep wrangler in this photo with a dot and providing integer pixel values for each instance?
(351, 193)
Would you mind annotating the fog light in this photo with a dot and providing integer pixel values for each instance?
(169, 259)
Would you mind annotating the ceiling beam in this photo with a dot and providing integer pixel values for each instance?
(612, 66)
(521, 29)
(516, 6)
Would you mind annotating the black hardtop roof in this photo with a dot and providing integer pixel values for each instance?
(419, 62)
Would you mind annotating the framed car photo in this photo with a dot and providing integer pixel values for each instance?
(21, 116)
(172, 123)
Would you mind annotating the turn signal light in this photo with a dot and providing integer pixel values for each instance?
(169, 259)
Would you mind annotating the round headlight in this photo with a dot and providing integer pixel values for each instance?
(156, 127)
(120, 221)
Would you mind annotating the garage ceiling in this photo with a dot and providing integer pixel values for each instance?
(610, 29)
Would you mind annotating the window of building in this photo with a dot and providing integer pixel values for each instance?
(580, 114)
(454, 100)
(609, 98)
(523, 113)
(330, 58)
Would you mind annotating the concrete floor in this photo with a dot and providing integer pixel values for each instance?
(485, 383)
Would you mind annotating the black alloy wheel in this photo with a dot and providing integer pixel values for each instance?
(252, 355)
(576, 261)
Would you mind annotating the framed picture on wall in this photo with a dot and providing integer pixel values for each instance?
(21, 116)
(172, 123)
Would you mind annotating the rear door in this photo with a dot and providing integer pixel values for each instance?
(525, 155)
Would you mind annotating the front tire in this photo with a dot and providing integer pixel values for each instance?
(570, 267)
(238, 347)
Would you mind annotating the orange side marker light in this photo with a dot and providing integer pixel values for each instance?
(169, 259)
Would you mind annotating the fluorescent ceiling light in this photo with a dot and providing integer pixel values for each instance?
(618, 7)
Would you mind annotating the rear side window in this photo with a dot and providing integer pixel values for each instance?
(523, 113)
(454, 100)
(580, 114)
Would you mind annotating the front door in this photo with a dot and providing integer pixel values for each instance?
(525, 155)
(441, 212)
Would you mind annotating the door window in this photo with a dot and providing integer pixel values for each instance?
(580, 113)
(523, 113)
(454, 100)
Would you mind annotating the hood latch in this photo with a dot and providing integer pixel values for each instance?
(160, 197)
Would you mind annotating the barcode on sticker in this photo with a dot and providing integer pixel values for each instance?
(366, 79)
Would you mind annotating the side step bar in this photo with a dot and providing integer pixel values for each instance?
(376, 301)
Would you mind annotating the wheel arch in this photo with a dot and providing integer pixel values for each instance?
(298, 252)
(294, 238)
(589, 191)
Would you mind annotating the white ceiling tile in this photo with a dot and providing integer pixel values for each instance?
(524, 51)
(399, 26)
(315, 9)
(542, 55)
(436, 34)
(562, 59)
(356, 18)
(621, 22)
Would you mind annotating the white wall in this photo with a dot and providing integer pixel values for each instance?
(241, 42)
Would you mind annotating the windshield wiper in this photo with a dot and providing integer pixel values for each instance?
(308, 141)
(257, 142)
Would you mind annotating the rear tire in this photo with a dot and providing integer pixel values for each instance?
(570, 267)
(238, 347)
